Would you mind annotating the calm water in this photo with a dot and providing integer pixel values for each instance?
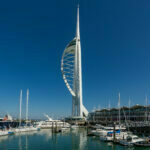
(45, 140)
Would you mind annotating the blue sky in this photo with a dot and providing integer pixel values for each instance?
(115, 46)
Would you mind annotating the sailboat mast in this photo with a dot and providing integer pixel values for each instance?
(20, 107)
(129, 106)
(109, 109)
(119, 106)
(27, 106)
(109, 105)
(146, 107)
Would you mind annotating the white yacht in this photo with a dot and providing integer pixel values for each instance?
(20, 129)
(5, 132)
(119, 135)
(26, 129)
(108, 138)
(131, 140)
(50, 123)
(103, 131)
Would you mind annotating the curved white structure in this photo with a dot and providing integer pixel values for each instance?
(72, 73)
(49, 119)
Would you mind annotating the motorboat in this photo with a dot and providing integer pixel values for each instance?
(131, 140)
(94, 132)
(103, 130)
(110, 136)
(5, 132)
(142, 144)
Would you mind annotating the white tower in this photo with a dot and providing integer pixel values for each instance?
(72, 72)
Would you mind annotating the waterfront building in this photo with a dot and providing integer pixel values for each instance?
(72, 73)
(137, 113)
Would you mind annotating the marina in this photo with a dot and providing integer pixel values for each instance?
(116, 136)
(52, 77)
(45, 139)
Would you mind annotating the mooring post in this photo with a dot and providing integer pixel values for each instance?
(114, 132)
(56, 127)
(52, 126)
(64, 123)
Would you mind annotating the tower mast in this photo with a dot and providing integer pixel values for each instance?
(79, 67)
(77, 26)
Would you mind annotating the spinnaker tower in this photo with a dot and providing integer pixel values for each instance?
(72, 73)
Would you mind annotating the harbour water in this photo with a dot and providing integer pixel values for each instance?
(46, 140)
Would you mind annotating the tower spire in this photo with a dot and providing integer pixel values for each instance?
(78, 30)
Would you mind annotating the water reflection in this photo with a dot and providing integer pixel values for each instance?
(25, 133)
(47, 133)
(45, 139)
(26, 142)
(82, 139)
(23, 144)
(19, 143)
(2, 138)
(79, 139)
